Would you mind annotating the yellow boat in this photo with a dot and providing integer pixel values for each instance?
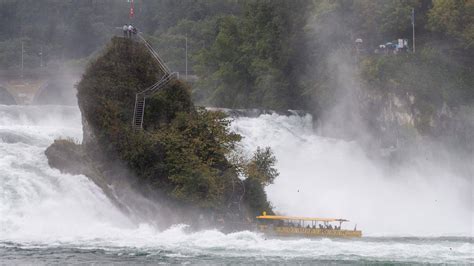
(304, 226)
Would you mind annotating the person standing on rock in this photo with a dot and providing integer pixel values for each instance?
(125, 30)
(134, 31)
(130, 31)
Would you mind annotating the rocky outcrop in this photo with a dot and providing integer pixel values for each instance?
(394, 121)
(114, 179)
(407, 118)
(71, 158)
(175, 169)
(390, 120)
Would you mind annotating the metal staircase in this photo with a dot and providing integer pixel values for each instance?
(155, 55)
(139, 112)
(140, 97)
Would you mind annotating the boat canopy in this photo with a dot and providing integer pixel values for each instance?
(277, 217)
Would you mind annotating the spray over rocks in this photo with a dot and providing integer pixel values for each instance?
(41, 207)
(178, 168)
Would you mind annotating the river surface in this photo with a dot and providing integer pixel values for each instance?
(421, 213)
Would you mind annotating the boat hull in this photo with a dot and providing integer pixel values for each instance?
(309, 232)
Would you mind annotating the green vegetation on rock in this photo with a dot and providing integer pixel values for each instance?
(260, 172)
(183, 150)
(431, 79)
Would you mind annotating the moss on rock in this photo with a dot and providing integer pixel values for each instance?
(182, 151)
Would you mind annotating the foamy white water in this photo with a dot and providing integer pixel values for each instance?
(39, 203)
(49, 217)
(334, 178)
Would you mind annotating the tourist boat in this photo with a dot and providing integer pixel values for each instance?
(304, 226)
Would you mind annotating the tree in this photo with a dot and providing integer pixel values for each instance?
(260, 172)
(255, 58)
(262, 166)
(454, 19)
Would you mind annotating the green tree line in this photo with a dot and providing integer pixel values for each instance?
(255, 53)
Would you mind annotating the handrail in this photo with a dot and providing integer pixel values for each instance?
(154, 85)
(135, 110)
(162, 64)
(165, 79)
(140, 97)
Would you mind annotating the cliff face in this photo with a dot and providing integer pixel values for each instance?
(395, 101)
(178, 160)
(399, 120)
(425, 93)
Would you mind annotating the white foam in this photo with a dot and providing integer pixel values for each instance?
(39, 203)
(335, 178)
(40, 207)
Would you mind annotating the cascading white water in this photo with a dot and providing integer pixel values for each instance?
(335, 178)
(37, 202)
(43, 209)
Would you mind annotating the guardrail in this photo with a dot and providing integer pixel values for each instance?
(161, 63)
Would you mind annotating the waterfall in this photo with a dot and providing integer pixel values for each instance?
(319, 176)
(326, 177)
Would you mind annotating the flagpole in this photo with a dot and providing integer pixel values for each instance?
(132, 11)
(413, 27)
(186, 57)
(22, 52)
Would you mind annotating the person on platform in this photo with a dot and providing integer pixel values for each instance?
(134, 31)
(125, 30)
(130, 30)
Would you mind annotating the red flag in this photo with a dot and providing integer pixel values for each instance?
(132, 11)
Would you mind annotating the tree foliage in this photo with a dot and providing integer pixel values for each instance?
(262, 166)
(182, 150)
(454, 19)
(245, 54)
(254, 60)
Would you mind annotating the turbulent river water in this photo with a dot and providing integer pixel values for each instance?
(419, 213)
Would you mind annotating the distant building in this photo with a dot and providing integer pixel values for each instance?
(393, 47)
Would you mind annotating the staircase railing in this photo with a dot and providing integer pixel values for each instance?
(140, 97)
(155, 55)
(138, 113)
(158, 85)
